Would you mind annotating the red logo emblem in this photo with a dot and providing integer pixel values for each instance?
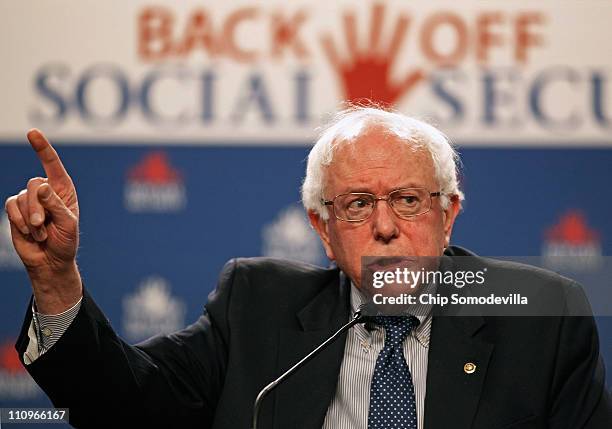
(572, 245)
(154, 186)
(9, 359)
(366, 73)
(154, 169)
(572, 229)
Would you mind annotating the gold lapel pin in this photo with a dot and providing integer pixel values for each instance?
(469, 368)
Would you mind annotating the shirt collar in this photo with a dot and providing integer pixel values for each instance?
(423, 312)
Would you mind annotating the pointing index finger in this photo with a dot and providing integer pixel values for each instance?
(48, 156)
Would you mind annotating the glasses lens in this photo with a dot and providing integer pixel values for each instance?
(410, 202)
(354, 206)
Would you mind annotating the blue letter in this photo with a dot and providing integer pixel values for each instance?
(598, 81)
(539, 84)
(302, 79)
(442, 92)
(113, 74)
(145, 94)
(256, 92)
(494, 97)
(208, 96)
(42, 85)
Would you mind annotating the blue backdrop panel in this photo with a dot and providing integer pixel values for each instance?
(513, 197)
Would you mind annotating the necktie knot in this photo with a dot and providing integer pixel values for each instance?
(397, 328)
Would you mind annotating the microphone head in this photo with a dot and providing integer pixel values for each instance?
(366, 312)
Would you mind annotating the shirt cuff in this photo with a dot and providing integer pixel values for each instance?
(31, 353)
(50, 327)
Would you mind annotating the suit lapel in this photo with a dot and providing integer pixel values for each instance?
(303, 399)
(453, 392)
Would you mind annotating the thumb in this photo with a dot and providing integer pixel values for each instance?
(17, 235)
(62, 216)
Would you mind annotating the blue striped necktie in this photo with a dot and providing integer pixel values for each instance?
(392, 400)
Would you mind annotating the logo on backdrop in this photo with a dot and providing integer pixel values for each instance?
(290, 236)
(365, 74)
(15, 382)
(152, 310)
(154, 186)
(8, 257)
(571, 244)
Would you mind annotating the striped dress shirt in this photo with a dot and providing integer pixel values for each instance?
(351, 403)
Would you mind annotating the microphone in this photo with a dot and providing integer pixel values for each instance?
(358, 317)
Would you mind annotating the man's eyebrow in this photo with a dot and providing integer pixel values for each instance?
(358, 190)
(408, 185)
(366, 190)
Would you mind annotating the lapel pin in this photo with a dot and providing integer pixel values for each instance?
(469, 368)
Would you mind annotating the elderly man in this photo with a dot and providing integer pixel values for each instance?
(377, 184)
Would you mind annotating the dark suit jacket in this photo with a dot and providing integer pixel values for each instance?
(532, 372)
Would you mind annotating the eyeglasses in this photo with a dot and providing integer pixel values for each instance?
(358, 206)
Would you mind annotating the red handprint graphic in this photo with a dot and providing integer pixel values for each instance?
(366, 74)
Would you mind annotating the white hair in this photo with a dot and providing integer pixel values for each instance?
(349, 124)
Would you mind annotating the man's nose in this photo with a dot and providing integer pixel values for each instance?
(384, 222)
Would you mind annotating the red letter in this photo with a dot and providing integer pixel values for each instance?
(154, 33)
(285, 33)
(427, 43)
(484, 38)
(229, 34)
(525, 39)
(198, 32)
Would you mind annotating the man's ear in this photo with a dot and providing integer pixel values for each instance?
(450, 214)
(321, 226)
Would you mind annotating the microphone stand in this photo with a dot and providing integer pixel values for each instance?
(358, 317)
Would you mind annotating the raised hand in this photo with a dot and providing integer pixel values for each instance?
(44, 220)
(366, 73)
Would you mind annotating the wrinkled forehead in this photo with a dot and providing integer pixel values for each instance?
(379, 149)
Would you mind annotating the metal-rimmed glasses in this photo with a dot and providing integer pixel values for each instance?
(406, 203)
